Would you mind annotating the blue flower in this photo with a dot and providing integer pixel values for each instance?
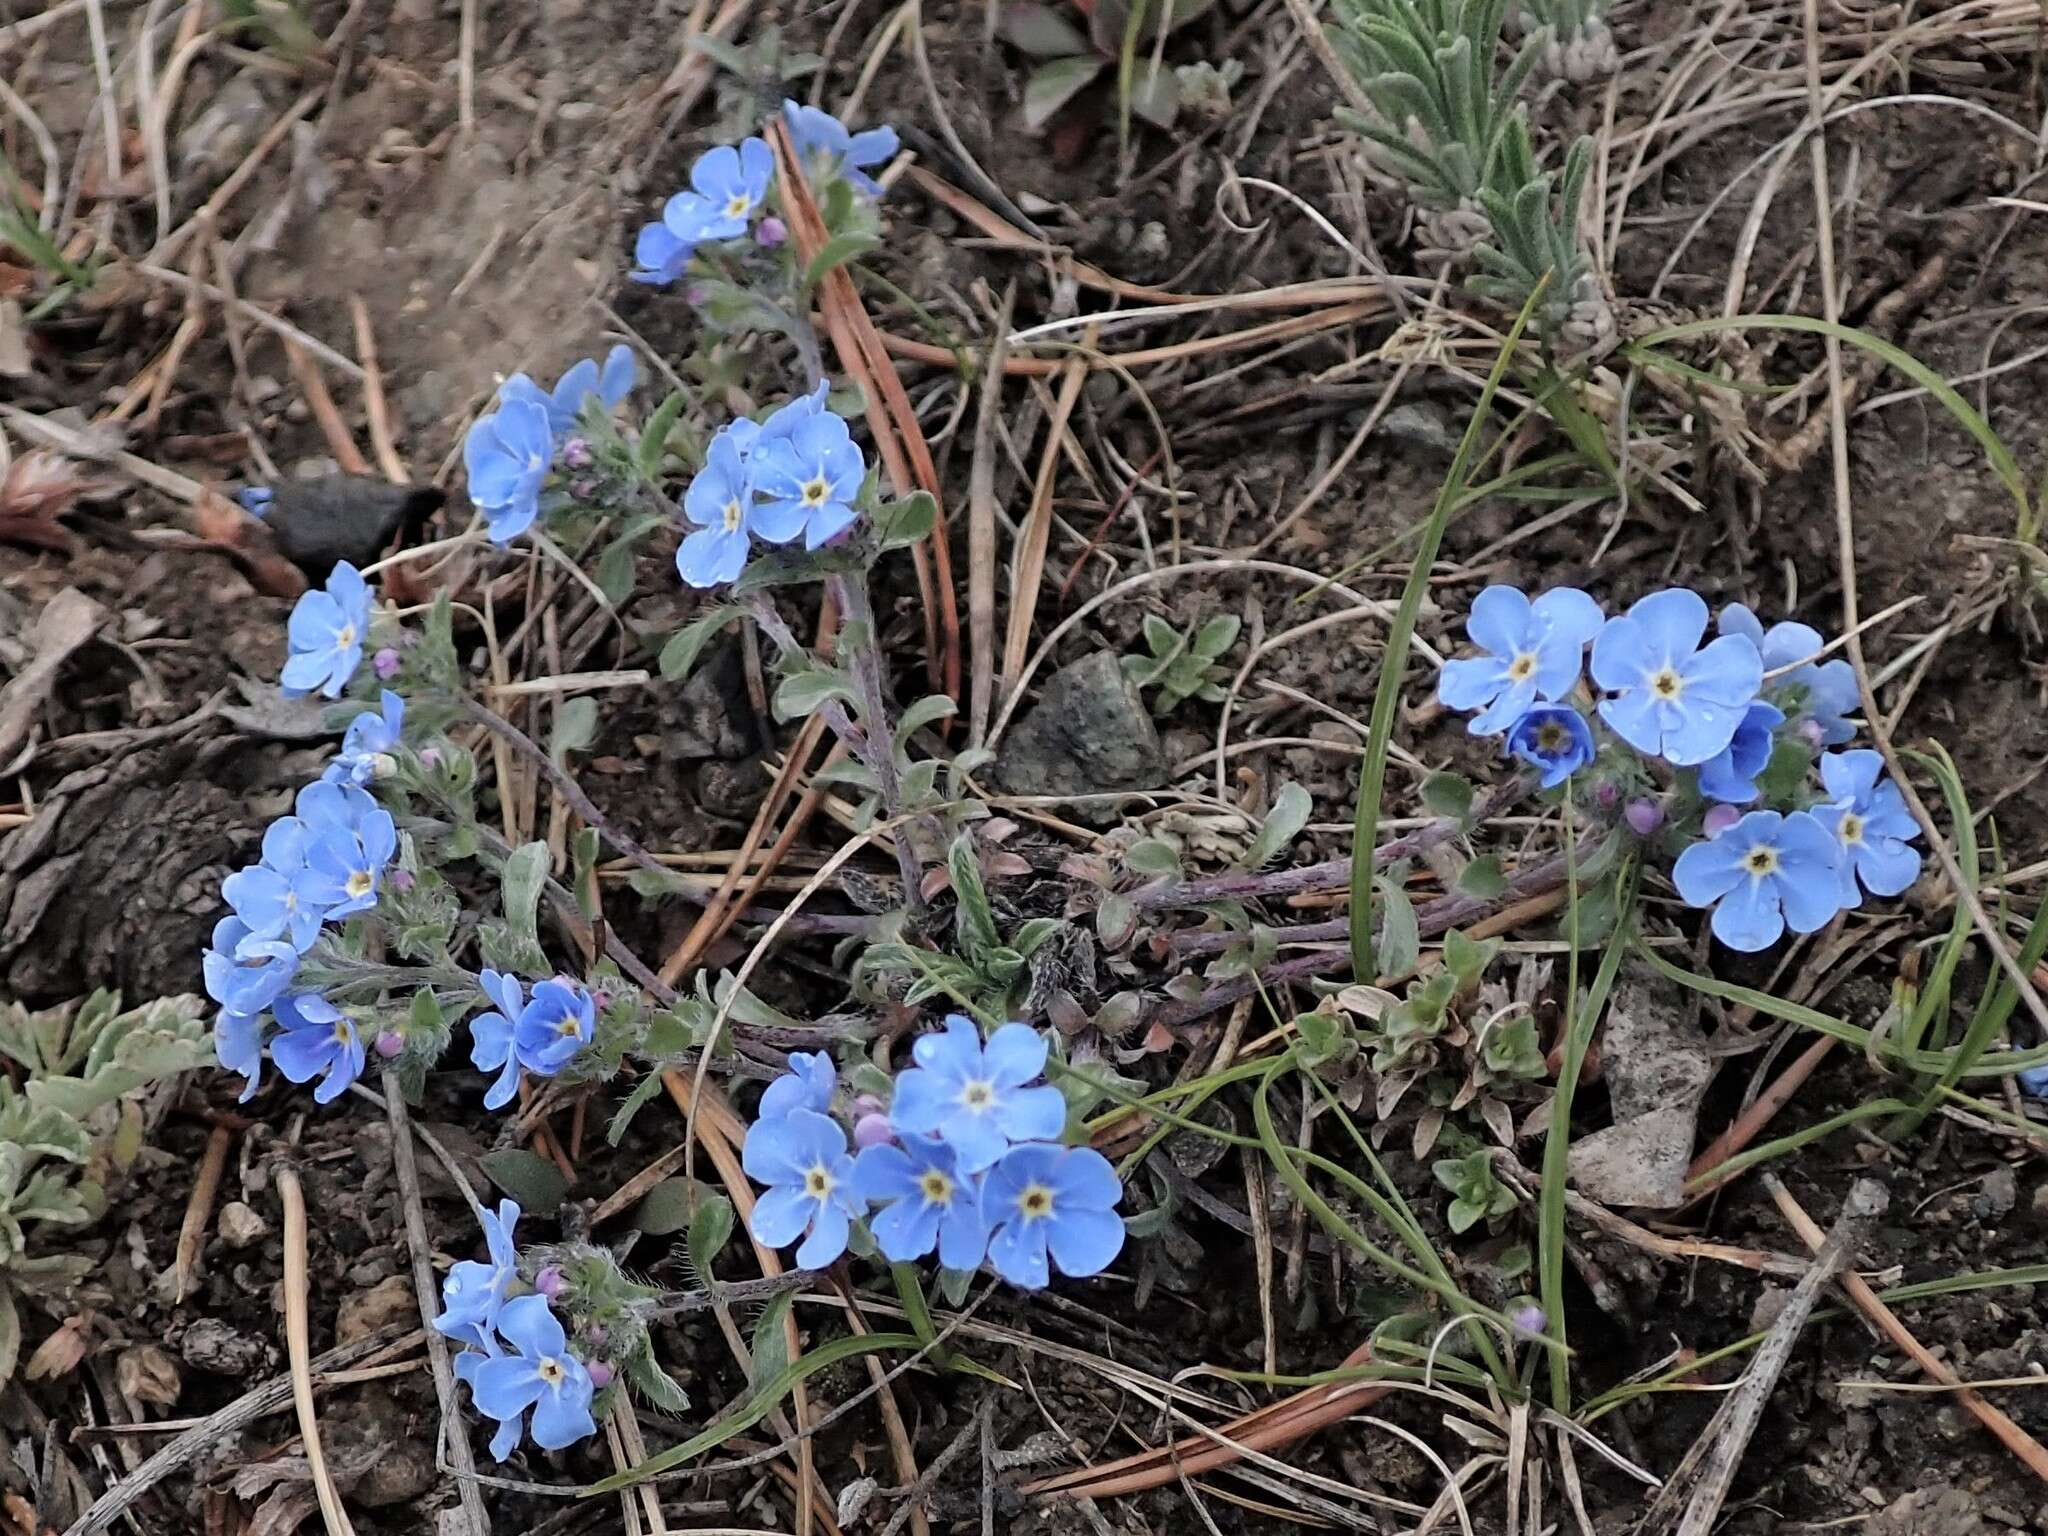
(1764, 874)
(473, 1294)
(808, 1084)
(319, 1040)
(327, 806)
(372, 736)
(245, 974)
(974, 1096)
(2032, 1081)
(275, 898)
(720, 500)
(732, 183)
(660, 255)
(345, 861)
(584, 379)
(507, 454)
(256, 500)
(801, 1157)
(238, 1046)
(1872, 824)
(1730, 774)
(827, 149)
(1555, 738)
(540, 1036)
(1061, 1199)
(928, 1203)
(325, 635)
(1828, 691)
(1534, 651)
(810, 476)
(543, 1376)
(1673, 699)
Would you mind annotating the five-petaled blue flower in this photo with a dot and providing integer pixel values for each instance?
(1827, 691)
(319, 1040)
(507, 454)
(1534, 651)
(238, 1046)
(243, 973)
(928, 1203)
(345, 858)
(720, 501)
(827, 149)
(564, 404)
(808, 1084)
(2032, 1081)
(275, 898)
(1871, 822)
(543, 1377)
(1730, 774)
(1555, 738)
(1764, 874)
(1057, 1199)
(367, 744)
(809, 476)
(1672, 698)
(325, 635)
(540, 1035)
(474, 1293)
(802, 1158)
(975, 1096)
(728, 184)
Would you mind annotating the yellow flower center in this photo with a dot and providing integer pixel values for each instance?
(733, 517)
(1851, 828)
(814, 492)
(341, 1031)
(818, 1182)
(978, 1095)
(1761, 860)
(550, 1371)
(568, 1027)
(345, 637)
(1035, 1203)
(1552, 737)
(1667, 684)
(1522, 668)
(737, 205)
(361, 883)
(936, 1187)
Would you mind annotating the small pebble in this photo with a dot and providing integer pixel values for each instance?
(240, 1225)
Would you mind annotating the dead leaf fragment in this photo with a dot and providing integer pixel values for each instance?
(146, 1373)
(61, 1352)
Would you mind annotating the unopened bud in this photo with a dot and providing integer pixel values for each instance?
(1719, 819)
(770, 233)
(1643, 816)
(385, 663)
(551, 1282)
(872, 1131)
(1607, 792)
(600, 1374)
(402, 880)
(430, 758)
(584, 487)
(383, 765)
(1811, 733)
(576, 453)
(390, 1044)
(1528, 1319)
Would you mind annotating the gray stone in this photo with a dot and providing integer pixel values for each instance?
(1090, 732)
(1657, 1068)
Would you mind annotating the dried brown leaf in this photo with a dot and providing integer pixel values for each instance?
(61, 1352)
(146, 1373)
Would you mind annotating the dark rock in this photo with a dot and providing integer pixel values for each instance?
(1089, 733)
(318, 523)
(1998, 1194)
(212, 1345)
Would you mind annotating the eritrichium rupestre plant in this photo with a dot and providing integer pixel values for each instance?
(1731, 753)
(367, 929)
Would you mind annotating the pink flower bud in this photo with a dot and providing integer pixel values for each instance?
(386, 663)
(696, 294)
(1643, 816)
(402, 880)
(431, 758)
(1528, 1319)
(576, 453)
(1607, 792)
(584, 487)
(551, 1282)
(770, 233)
(1811, 733)
(601, 997)
(1719, 819)
(872, 1131)
(390, 1044)
(867, 1104)
(600, 1374)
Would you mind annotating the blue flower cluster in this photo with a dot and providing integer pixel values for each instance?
(321, 864)
(510, 452)
(728, 192)
(798, 473)
(517, 1360)
(1707, 718)
(965, 1161)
